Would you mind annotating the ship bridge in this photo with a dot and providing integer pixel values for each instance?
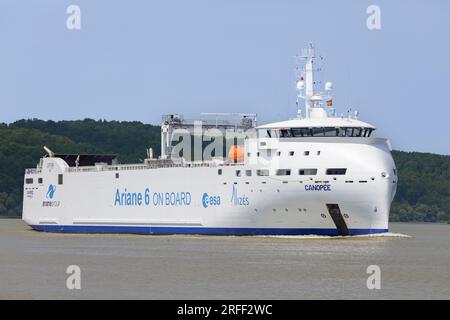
(318, 127)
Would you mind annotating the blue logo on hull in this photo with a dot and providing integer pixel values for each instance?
(238, 200)
(51, 191)
(210, 200)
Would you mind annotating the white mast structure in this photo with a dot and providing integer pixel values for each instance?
(308, 54)
(305, 88)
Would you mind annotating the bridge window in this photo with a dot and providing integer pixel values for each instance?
(325, 132)
(262, 172)
(307, 172)
(301, 132)
(219, 172)
(29, 180)
(317, 132)
(283, 172)
(60, 179)
(248, 173)
(331, 132)
(291, 153)
(366, 132)
(336, 171)
(285, 133)
(238, 173)
(306, 153)
(40, 180)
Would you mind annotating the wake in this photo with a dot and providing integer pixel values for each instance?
(377, 235)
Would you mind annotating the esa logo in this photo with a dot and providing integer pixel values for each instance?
(210, 200)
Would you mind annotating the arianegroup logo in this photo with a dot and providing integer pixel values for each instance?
(50, 194)
(51, 191)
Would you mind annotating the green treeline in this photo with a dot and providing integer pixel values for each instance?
(423, 192)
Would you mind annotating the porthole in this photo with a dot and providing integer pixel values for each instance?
(323, 215)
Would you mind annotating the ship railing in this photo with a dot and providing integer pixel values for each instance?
(124, 167)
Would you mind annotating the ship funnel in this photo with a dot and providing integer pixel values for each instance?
(50, 153)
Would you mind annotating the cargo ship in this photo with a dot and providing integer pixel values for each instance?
(319, 173)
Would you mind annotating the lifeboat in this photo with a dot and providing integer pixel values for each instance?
(236, 153)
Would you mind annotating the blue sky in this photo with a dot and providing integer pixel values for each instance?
(136, 60)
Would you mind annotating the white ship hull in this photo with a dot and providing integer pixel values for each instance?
(197, 200)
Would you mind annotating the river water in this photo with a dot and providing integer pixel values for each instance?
(413, 260)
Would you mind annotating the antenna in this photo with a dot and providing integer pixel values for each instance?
(307, 87)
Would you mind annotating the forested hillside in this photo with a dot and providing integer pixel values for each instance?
(423, 192)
